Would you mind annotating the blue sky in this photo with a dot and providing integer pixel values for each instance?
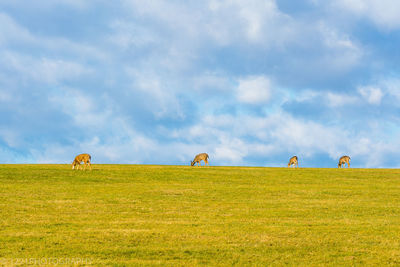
(155, 82)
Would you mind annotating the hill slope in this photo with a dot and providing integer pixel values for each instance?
(170, 215)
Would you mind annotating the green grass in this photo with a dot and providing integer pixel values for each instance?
(123, 215)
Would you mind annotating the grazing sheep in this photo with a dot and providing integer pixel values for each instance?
(199, 158)
(343, 160)
(85, 158)
(293, 161)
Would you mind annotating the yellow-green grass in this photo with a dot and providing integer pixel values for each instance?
(123, 215)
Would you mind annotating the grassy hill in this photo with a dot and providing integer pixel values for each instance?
(179, 215)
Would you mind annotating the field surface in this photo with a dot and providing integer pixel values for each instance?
(123, 215)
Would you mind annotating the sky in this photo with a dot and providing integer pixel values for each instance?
(251, 83)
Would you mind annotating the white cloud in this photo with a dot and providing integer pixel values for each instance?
(163, 100)
(210, 81)
(393, 87)
(338, 100)
(287, 136)
(329, 98)
(9, 156)
(222, 22)
(232, 153)
(10, 137)
(126, 34)
(227, 137)
(46, 70)
(372, 94)
(342, 53)
(335, 39)
(258, 16)
(51, 71)
(89, 113)
(254, 90)
(4, 95)
(384, 13)
(230, 140)
(115, 142)
(11, 32)
(49, 4)
(257, 22)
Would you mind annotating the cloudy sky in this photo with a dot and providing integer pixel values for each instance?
(155, 82)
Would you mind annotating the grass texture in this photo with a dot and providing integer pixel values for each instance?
(128, 215)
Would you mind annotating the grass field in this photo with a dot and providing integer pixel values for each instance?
(123, 215)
